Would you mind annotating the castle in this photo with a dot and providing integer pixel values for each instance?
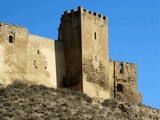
(78, 60)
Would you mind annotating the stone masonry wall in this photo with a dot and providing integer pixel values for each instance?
(78, 60)
(13, 47)
(29, 58)
(95, 54)
(60, 63)
(124, 81)
(70, 35)
(41, 67)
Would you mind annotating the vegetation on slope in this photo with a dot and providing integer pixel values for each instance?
(21, 101)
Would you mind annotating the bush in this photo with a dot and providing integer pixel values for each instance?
(32, 102)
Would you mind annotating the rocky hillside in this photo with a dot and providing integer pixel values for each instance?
(30, 102)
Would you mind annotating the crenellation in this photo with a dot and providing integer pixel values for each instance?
(90, 12)
(78, 60)
(86, 11)
(96, 14)
(66, 12)
(105, 17)
(99, 15)
(69, 14)
(73, 10)
(80, 9)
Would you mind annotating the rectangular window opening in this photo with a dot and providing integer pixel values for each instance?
(38, 52)
(95, 35)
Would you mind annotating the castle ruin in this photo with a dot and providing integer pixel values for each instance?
(78, 60)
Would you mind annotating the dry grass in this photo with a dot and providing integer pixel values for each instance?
(21, 101)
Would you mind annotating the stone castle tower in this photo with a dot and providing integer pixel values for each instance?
(86, 51)
(79, 60)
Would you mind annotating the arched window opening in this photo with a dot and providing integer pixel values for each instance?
(11, 39)
(119, 88)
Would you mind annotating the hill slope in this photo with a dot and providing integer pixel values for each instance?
(30, 102)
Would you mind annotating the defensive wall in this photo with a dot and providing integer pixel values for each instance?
(27, 57)
(78, 60)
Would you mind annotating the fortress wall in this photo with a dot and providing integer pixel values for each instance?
(13, 40)
(70, 34)
(41, 67)
(111, 78)
(2, 81)
(95, 55)
(1, 53)
(29, 57)
(125, 78)
(79, 60)
(60, 63)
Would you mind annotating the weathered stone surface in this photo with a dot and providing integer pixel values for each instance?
(123, 78)
(70, 35)
(79, 60)
(27, 57)
(95, 57)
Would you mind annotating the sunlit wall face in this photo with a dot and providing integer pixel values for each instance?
(133, 32)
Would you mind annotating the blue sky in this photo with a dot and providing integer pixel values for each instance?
(134, 34)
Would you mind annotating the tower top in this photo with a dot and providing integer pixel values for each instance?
(80, 10)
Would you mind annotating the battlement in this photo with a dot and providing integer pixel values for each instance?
(95, 14)
(80, 11)
(79, 60)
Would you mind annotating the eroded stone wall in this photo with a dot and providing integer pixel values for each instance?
(60, 63)
(13, 47)
(95, 59)
(29, 58)
(123, 81)
(70, 35)
(78, 60)
(41, 67)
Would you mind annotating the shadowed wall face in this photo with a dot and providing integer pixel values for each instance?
(70, 34)
(60, 63)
